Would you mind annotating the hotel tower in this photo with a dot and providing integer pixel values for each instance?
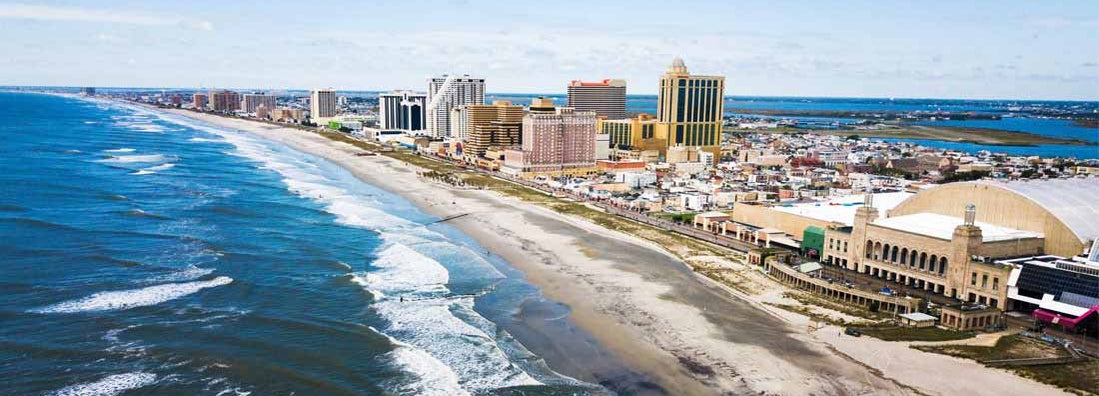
(692, 108)
(606, 98)
(461, 91)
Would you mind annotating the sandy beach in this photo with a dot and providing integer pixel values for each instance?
(690, 335)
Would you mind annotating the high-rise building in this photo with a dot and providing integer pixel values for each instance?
(224, 100)
(322, 104)
(692, 107)
(459, 122)
(497, 124)
(403, 110)
(461, 91)
(639, 133)
(556, 144)
(606, 98)
(200, 101)
(252, 100)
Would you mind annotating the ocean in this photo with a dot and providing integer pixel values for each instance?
(149, 254)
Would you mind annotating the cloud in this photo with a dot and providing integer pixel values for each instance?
(52, 13)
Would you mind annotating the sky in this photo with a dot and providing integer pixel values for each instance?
(904, 49)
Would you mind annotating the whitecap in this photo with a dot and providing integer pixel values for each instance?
(154, 169)
(109, 385)
(120, 150)
(126, 299)
(206, 140)
(190, 273)
(125, 159)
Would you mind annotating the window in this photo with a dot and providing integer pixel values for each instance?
(984, 281)
(973, 280)
(995, 283)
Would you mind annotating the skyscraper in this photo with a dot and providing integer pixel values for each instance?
(461, 91)
(497, 124)
(404, 110)
(606, 98)
(692, 107)
(556, 144)
(322, 104)
(252, 100)
(224, 101)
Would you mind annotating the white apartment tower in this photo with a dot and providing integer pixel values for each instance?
(403, 110)
(322, 104)
(461, 91)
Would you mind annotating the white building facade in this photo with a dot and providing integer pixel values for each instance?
(461, 91)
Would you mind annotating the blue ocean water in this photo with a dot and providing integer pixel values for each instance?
(148, 254)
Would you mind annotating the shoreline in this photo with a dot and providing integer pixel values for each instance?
(690, 334)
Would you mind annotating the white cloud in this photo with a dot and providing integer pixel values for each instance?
(52, 13)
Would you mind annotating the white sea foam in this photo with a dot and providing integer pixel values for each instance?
(206, 140)
(126, 159)
(190, 273)
(420, 313)
(126, 299)
(154, 169)
(432, 377)
(120, 150)
(109, 385)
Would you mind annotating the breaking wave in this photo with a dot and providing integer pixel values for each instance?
(109, 385)
(126, 299)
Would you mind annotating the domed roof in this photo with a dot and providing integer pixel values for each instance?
(677, 67)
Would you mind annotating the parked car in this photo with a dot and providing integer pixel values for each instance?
(851, 331)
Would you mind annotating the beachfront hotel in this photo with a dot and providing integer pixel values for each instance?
(251, 101)
(322, 104)
(494, 125)
(447, 93)
(557, 144)
(200, 101)
(402, 110)
(606, 98)
(224, 101)
(692, 107)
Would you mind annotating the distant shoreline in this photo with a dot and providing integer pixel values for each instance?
(982, 136)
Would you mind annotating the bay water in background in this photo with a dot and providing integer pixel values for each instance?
(146, 254)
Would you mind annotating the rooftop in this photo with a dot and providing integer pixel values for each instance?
(942, 227)
(1070, 200)
(842, 210)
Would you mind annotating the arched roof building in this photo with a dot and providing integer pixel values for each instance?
(1065, 211)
